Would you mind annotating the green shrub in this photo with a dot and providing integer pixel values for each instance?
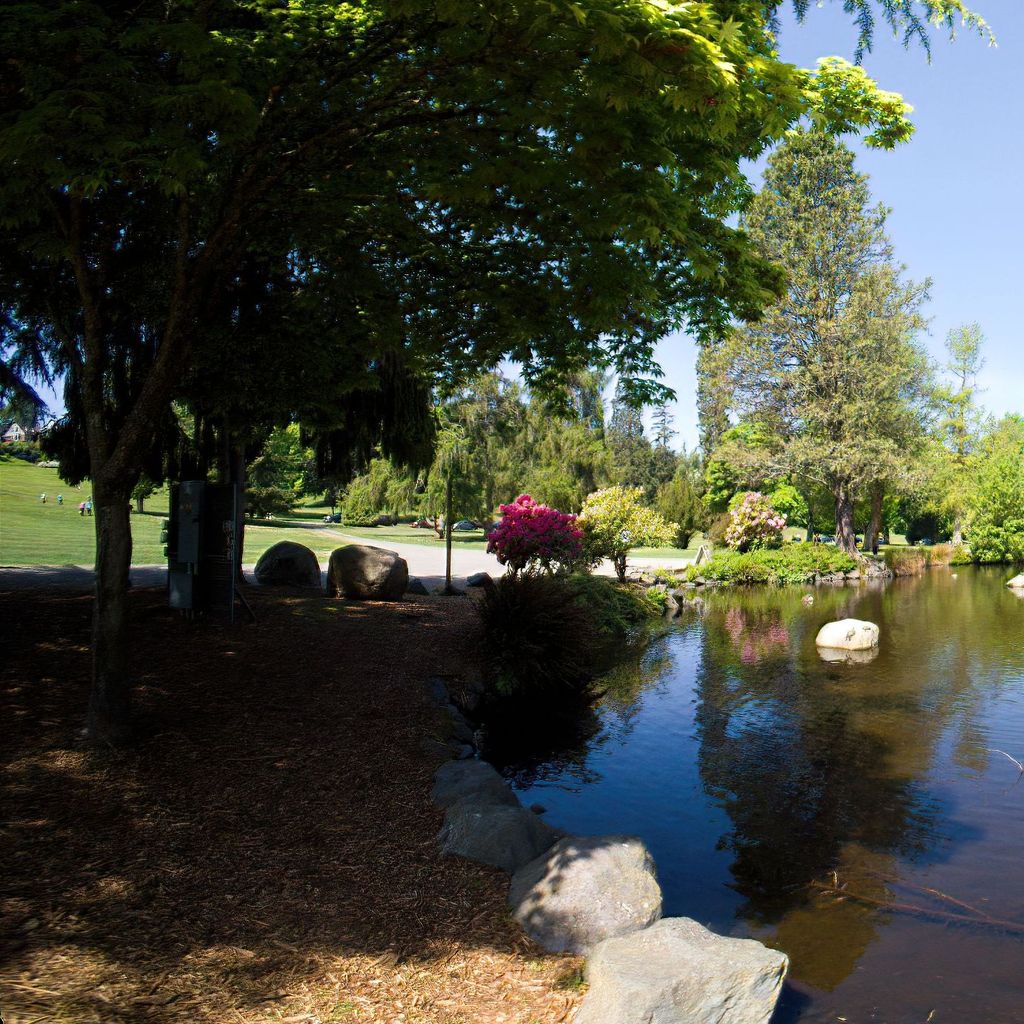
(24, 450)
(267, 501)
(537, 636)
(551, 635)
(617, 609)
(614, 521)
(796, 563)
(961, 555)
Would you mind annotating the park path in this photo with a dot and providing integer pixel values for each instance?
(426, 563)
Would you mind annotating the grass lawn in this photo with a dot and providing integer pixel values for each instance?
(32, 533)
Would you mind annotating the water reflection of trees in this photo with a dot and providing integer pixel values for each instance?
(824, 767)
(788, 763)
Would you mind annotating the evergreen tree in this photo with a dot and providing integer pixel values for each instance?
(834, 368)
(631, 450)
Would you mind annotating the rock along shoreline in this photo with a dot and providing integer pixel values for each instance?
(598, 896)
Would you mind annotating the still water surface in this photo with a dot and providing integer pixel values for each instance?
(754, 770)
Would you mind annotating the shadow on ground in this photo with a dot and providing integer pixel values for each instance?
(267, 850)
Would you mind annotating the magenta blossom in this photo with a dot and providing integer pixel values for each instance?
(531, 537)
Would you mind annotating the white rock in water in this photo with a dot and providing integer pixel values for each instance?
(848, 635)
(836, 655)
(1017, 582)
(677, 972)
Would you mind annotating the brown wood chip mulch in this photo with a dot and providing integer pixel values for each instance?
(267, 850)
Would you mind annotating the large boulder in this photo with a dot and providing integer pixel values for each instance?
(503, 836)
(1017, 583)
(677, 972)
(288, 564)
(471, 782)
(848, 635)
(367, 573)
(586, 889)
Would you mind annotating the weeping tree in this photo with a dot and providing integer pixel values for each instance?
(452, 465)
(446, 184)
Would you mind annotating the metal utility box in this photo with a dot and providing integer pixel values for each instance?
(202, 546)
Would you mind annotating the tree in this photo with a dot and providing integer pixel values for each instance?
(997, 497)
(631, 450)
(441, 184)
(679, 501)
(451, 464)
(737, 463)
(141, 491)
(960, 424)
(833, 369)
(615, 520)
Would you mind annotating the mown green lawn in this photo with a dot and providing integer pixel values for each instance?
(33, 533)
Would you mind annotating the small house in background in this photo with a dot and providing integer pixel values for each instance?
(15, 432)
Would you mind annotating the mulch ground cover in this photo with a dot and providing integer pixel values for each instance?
(266, 850)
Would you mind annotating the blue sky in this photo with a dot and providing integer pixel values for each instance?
(956, 189)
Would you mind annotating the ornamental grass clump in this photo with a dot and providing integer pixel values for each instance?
(538, 637)
(549, 636)
(535, 538)
(754, 524)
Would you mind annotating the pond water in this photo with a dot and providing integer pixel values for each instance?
(764, 779)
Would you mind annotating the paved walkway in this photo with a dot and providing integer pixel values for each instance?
(425, 562)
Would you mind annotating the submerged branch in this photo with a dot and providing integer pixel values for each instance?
(976, 918)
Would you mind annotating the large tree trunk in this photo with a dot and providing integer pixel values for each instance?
(875, 525)
(448, 536)
(109, 715)
(958, 531)
(236, 475)
(846, 537)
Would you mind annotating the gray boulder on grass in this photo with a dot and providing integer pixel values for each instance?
(677, 972)
(586, 889)
(503, 836)
(288, 564)
(367, 573)
(471, 782)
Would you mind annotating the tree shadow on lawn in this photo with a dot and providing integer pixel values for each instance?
(268, 847)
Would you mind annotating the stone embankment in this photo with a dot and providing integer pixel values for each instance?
(599, 896)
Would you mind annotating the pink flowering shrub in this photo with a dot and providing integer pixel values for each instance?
(754, 524)
(531, 537)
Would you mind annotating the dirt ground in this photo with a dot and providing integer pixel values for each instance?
(267, 850)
